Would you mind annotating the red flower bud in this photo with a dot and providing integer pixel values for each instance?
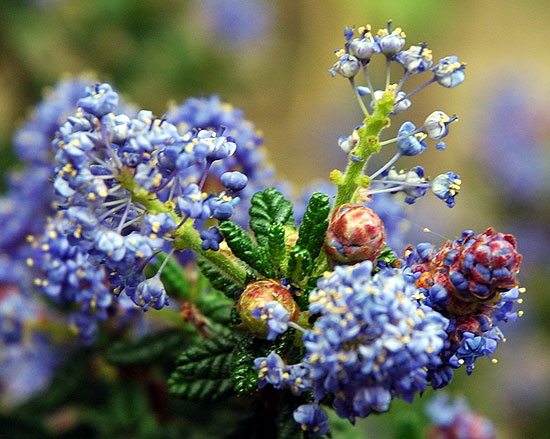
(355, 233)
(258, 294)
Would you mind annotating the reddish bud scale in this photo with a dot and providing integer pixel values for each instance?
(258, 294)
(355, 233)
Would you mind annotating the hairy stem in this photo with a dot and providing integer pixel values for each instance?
(369, 143)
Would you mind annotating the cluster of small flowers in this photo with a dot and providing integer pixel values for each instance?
(472, 282)
(393, 333)
(249, 158)
(27, 202)
(28, 357)
(449, 73)
(373, 340)
(124, 183)
(129, 183)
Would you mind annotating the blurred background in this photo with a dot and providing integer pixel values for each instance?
(271, 59)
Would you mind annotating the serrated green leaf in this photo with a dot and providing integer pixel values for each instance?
(213, 367)
(243, 247)
(200, 389)
(147, 349)
(215, 306)
(203, 371)
(267, 208)
(299, 263)
(221, 344)
(314, 225)
(276, 244)
(217, 279)
(243, 374)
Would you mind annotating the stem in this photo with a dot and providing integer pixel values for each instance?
(185, 236)
(417, 89)
(188, 237)
(386, 166)
(359, 98)
(369, 143)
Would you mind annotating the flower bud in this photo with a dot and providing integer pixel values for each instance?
(355, 233)
(258, 294)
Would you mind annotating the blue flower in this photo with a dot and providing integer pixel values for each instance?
(312, 418)
(234, 180)
(446, 187)
(150, 292)
(436, 125)
(449, 72)
(211, 239)
(365, 46)
(347, 65)
(276, 317)
(413, 144)
(390, 40)
(100, 100)
(412, 183)
(270, 370)
(416, 59)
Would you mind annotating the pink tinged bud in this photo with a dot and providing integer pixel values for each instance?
(258, 294)
(355, 233)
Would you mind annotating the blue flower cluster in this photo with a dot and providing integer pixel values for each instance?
(128, 184)
(360, 48)
(373, 340)
(124, 185)
(28, 358)
(249, 158)
(33, 149)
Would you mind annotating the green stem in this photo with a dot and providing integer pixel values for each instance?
(186, 236)
(369, 143)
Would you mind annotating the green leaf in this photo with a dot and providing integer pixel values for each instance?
(217, 279)
(243, 374)
(200, 389)
(276, 245)
(147, 349)
(214, 305)
(203, 371)
(267, 208)
(243, 247)
(299, 264)
(314, 225)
